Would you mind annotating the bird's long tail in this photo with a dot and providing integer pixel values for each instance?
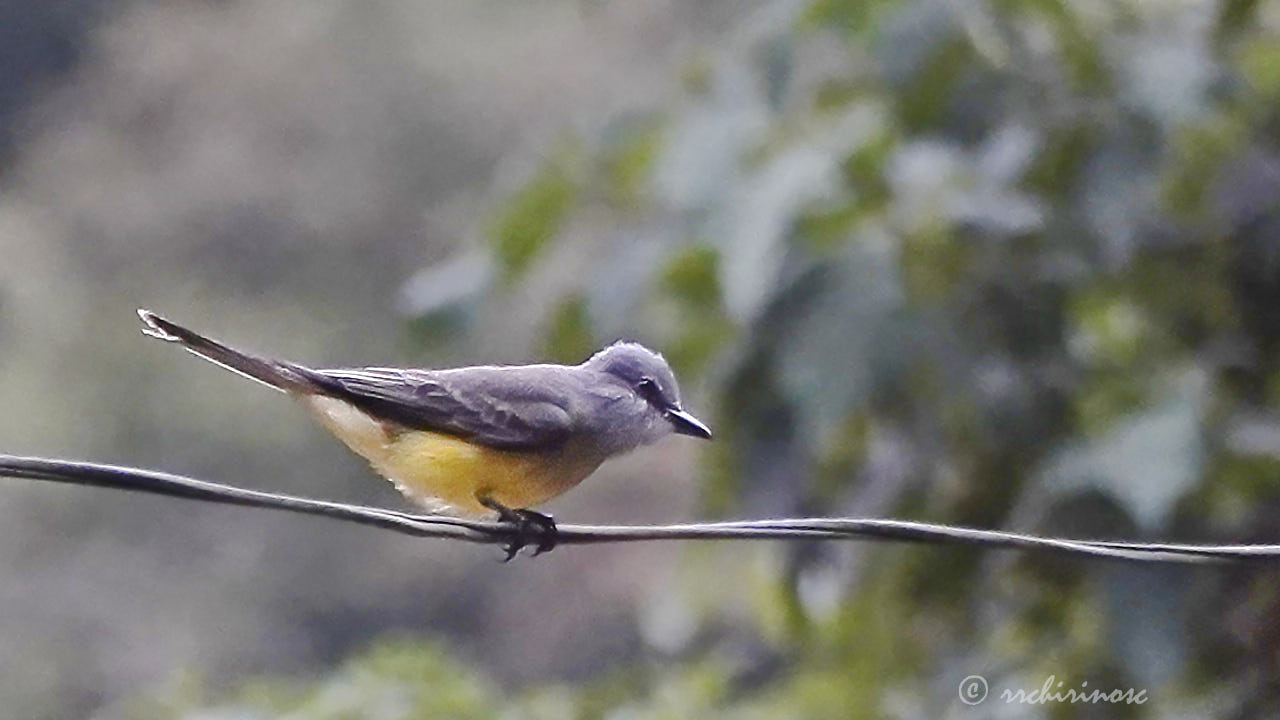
(283, 376)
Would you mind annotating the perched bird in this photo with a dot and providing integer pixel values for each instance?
(478, 440)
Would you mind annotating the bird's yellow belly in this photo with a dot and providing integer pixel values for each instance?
(436, 468)
(430, 466)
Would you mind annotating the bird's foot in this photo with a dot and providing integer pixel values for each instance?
(531, 528)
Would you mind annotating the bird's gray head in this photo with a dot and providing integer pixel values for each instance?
(650, 406)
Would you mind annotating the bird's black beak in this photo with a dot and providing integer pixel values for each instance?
(686, 424)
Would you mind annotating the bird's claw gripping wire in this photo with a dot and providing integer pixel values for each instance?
(531, 528)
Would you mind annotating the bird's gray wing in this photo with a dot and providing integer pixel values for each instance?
(498, 407)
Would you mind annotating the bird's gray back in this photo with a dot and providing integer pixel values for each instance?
(529, 407)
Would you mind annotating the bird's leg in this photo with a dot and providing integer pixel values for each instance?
(527, 522)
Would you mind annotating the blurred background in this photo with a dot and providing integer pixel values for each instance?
(1010, 263)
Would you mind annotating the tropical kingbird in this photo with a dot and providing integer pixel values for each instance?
(478, 440)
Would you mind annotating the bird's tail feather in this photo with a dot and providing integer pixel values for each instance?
(278, 374)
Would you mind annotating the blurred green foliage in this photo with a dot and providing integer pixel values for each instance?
(1009, 264)
(533, 215)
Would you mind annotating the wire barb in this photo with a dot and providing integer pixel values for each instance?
(477, 531)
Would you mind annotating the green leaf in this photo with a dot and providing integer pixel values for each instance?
(1259, 62)
(1147, 461)
(691, 276)
(569, 338)
(533, 215)
(628, 162)
(691, 282)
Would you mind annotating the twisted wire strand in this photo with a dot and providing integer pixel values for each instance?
(479, 531)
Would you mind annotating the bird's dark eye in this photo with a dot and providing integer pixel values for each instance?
(648, 389)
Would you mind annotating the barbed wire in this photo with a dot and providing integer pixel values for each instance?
(499, 533)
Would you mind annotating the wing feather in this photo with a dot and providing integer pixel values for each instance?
(505, 408)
